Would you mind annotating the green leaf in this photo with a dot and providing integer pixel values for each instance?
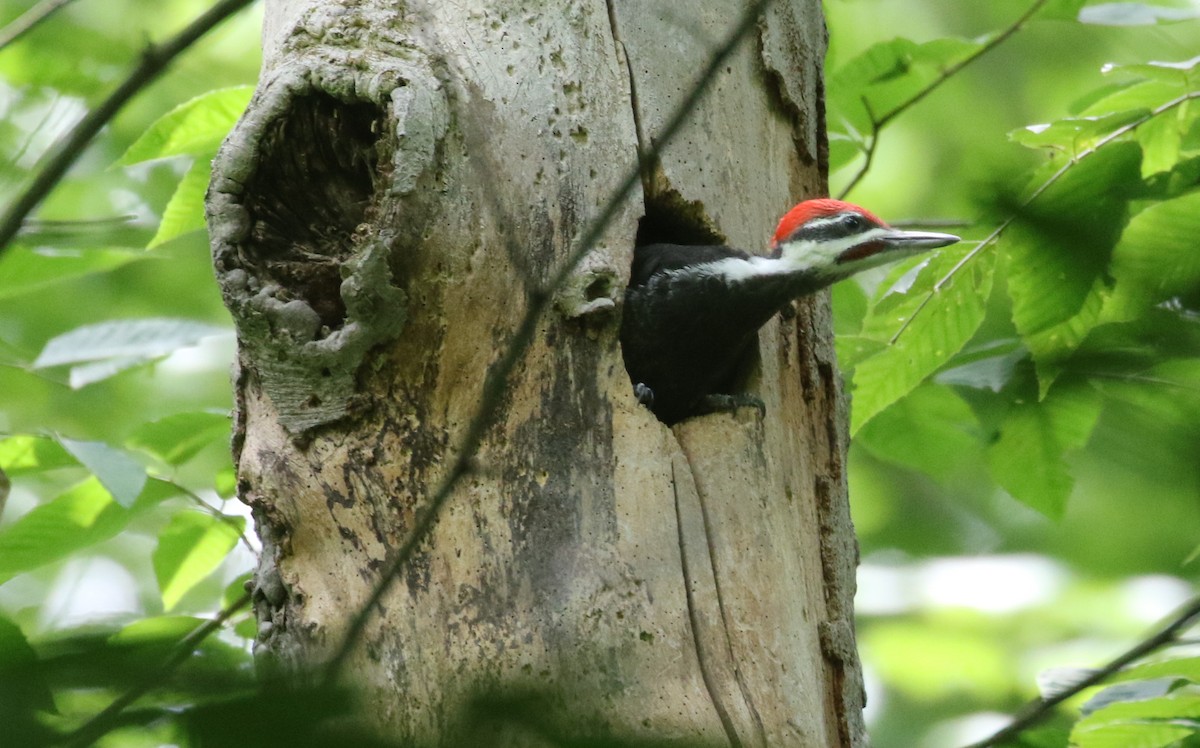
(843, 148)
(100, 233)
(1179, 667)
(986, 366)
(850, 304)
(1134, 724)
(1162, 142)
(1130, 735)
(123, 476)
(24, 454)
(110, 347)
(1027, 458)
(236, 589)
(936, 334)
(185, 210)
(190, 548)
(1179, 72)
(1161, 137)
(156, 631)
(1134, 14)
(1141, 96)
(1062, 10)
(1073, 134)
(225, 481)
(930, 430)
(1138, 690)
(24, 269)
(84, 515)
(145, 643)
(852, 349)
(178, 438)
(246, 627)
(194, 128)
(19, 665)
(1156, 259)
(1057, 253)
(889, 73)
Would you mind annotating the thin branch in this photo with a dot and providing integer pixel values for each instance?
(25, 22)
(872, 142)
(215, 513)
(991, 238)
(877, 125)
(155, 60)
(1143, 379)
(106, 721)
(953, 70)
(1039, 709)
(496, 382)
(931, 223)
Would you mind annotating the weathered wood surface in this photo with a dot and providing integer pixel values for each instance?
(405, 174)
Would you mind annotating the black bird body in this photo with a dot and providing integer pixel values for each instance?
(693, 328)
(692, 313)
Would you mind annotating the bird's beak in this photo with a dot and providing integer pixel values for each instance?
(918, 239)
(896, 242)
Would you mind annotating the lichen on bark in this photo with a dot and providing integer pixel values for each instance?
(303, 264)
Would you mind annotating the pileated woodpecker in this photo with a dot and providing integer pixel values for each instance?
(692, 312)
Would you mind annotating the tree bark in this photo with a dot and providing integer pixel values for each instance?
(407, 175)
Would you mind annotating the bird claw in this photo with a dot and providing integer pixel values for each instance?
(644, 395)
(730, 403)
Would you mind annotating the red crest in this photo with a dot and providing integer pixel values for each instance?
(818, 208)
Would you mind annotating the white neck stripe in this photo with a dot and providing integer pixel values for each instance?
(795, 257)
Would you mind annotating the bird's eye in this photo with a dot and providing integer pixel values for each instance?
(854, 222)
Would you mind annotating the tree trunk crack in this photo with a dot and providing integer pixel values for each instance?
(702, 654)
(643, 142)
(726, 622)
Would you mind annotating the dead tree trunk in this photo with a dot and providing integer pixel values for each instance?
(407, 175)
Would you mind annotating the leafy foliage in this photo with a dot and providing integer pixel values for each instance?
(1051, 362)
(1103, 234)
(126, 467)
(99, 351)
(194, 128)
(1034, 357)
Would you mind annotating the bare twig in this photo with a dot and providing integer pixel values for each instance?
(872, 142)
(877, 125)
(1039, 709)
(991, 238)
(931, 223)
(496, 382)
(154, 60)
(215, 513)
(25, 22)
(106, 720)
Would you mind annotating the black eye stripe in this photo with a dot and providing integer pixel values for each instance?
(833, 227)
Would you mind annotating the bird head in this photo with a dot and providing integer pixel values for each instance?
(835, 240)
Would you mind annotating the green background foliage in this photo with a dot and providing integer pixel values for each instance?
(1026, 404)
(1024, 468)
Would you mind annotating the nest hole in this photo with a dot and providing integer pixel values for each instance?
(314, 185)
(669, 219)
(599, 288)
